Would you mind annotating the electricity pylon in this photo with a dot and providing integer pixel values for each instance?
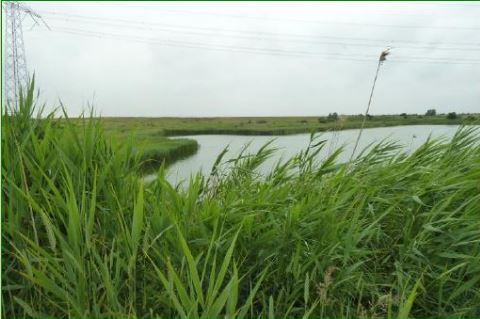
(15, 62)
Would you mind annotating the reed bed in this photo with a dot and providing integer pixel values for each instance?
(166, 152)
(388, 235)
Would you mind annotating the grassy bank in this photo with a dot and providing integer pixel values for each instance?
(153, 149)
(387, 235)
(158, 150)
(151, 134)
(273, 125)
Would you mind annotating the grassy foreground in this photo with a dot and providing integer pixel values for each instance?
(387, 235)
(271, 125)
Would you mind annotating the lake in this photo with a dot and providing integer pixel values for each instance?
(410, 137)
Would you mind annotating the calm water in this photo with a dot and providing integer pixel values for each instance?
(410, 137)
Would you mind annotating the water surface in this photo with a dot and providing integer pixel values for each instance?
(410, 137)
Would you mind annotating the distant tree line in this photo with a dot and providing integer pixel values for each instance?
(433, 112)
(333, 117)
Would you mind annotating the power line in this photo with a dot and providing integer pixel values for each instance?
(265, 51)
(459, 28)
(151, 24)
(199, 45)
(261, 37)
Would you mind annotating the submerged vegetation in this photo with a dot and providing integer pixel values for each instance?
(387, 234)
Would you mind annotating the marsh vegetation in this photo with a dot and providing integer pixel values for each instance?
(387, 234)
(170, 126)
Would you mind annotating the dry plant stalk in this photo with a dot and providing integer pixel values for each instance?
(322, 287)
(381, 59)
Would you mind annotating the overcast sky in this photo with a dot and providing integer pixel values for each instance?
(255, 59)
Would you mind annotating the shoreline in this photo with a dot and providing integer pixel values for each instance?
(187, 133)
(157, 137)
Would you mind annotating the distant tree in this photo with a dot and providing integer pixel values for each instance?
(404, 115)
(369, 117)
(451, 115)
(431, 112)
(333, 116)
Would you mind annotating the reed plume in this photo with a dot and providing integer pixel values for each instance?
(381, 59)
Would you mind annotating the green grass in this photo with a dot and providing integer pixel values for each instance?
(154, 148)
(386, 235)
(156, 151)
(270, 125)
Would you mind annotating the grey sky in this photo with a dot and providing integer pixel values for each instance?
(255, 59)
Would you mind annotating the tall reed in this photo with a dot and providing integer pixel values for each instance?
(398, 236)
(382, 58)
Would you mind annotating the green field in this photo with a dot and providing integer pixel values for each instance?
(385, 235)
(270, 125)
(150, 134)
